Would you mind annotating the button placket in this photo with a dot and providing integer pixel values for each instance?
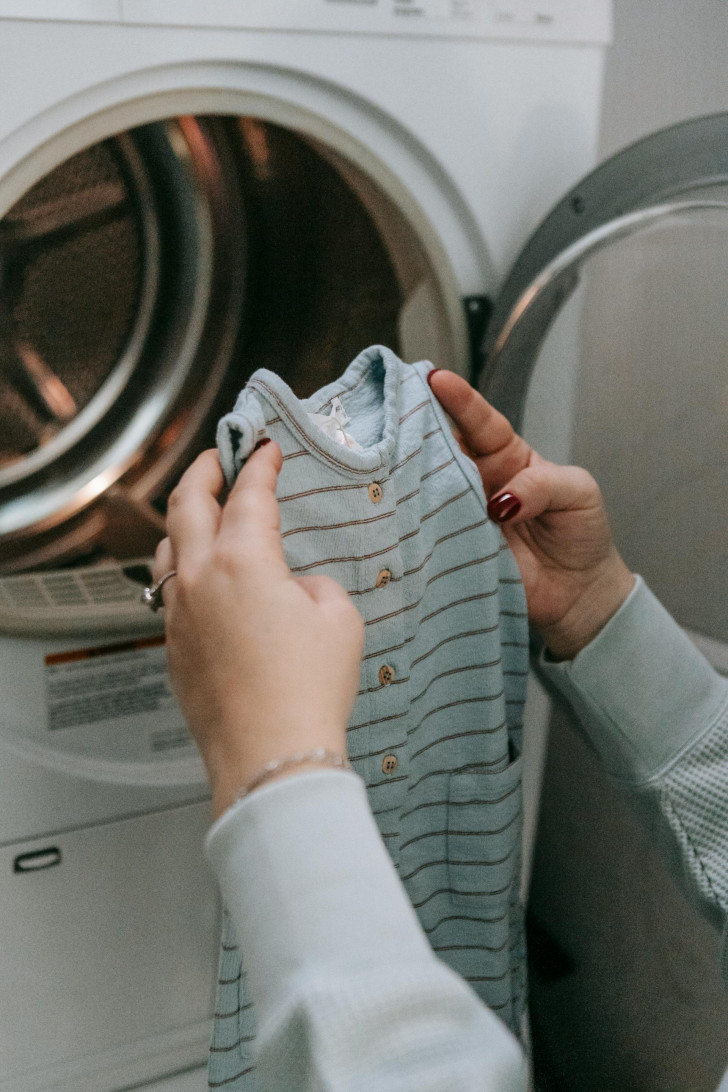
(386, 703)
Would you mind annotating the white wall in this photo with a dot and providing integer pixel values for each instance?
(669, 62)
(651, 402)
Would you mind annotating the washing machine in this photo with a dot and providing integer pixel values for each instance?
(188, 192)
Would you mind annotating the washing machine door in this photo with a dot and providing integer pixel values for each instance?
(607, 348)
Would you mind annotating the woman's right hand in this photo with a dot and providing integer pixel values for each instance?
(553, 518)
(265, 665)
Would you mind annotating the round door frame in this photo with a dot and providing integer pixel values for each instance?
(634, 188)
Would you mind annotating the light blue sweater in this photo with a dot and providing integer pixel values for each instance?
(435, 733)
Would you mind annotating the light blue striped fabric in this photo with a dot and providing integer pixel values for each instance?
(444, 668)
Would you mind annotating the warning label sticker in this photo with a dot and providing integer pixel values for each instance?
(93, 685)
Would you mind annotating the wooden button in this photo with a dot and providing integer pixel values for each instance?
(389, 763)
(384, 577)
(375, 492)
(386, 674)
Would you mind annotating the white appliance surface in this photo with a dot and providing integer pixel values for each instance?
(471, 117)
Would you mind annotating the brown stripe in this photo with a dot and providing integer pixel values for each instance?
(342, 560)
(295, 454)
(489, 977)
(447, 861)
(406, 459)
(454, 735)
(502, 760)
(386, 811)
(437, 469)
(457, 833)
(273, 421)
(458, 568)
(374, 588)
(321, 489)
(419, 406)
(394, 613)
(466, 917)
(378, 553)
(446, 538)
(455, 891)
(469, 947)
(379, 720)
(490, 800)
(433, 432)
(455, 803)
(410, 375)
(445, 503)
(338, 526)
(484, 833)
(374, 754)
(233, 1046)
(458, 603)
(392, 648)
(374, 689)
(389, 781)
(233, 1012)
(452, 704)
(407, 497)
(447, 640)
(453, 671)
(229, 1080)
(230, 981)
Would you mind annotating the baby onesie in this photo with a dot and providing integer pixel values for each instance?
(399, 519)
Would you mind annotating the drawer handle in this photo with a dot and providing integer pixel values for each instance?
(34, 862)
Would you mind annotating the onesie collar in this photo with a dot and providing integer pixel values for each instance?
(294, 411)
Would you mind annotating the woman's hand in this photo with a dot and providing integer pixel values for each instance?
(553, 518)
(265, 665)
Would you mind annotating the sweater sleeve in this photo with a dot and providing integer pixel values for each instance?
(657, 714)
(348, 993)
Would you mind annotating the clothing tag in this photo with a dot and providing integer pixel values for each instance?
(338, 411)
(331, 425)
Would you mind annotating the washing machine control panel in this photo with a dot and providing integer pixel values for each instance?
(549, 20)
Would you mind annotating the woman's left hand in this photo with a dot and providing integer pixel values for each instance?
(265, 665)
(553, 518)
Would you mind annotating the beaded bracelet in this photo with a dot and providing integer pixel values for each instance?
(321, 757)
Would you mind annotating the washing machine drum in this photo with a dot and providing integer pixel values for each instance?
(141, 282)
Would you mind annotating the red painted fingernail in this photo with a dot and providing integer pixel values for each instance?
(430, 375)
(503, 506)
(261, 443)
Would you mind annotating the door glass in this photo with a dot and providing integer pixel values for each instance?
(632, 382)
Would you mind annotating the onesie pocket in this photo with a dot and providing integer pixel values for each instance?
(483, 836)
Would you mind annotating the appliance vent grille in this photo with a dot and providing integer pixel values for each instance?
(91, 587)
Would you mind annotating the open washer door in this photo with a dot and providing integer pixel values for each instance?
(607, 347)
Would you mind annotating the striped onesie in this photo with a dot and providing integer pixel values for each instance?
(399, 520)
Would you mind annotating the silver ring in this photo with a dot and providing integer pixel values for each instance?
(152, 597)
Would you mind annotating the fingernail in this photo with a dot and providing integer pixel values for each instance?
(503, 506)
(261, 443)
(430, 375)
